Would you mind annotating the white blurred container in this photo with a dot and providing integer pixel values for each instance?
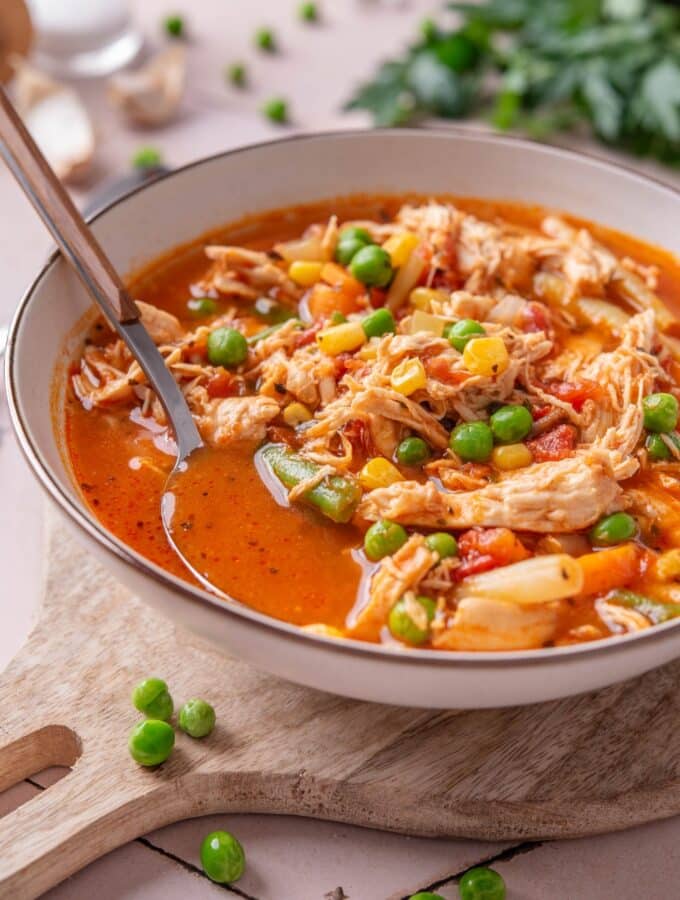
(83, 38)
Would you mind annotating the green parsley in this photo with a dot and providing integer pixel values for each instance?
(613, 65)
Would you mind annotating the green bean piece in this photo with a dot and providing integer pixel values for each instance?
(655, 610)
(336, 496)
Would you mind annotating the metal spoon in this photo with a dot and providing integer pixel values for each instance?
(84, 253)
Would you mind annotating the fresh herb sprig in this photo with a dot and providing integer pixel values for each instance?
(613, 65)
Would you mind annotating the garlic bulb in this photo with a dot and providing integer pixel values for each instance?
(151, 95)
(57, 120)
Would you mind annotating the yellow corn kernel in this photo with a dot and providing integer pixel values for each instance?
(486, 356)
(668, 565)
(341, 338)
(422, 297)
(424, 321)
(400, 247)
(408, 377)
(305, 273)
(511, 456)
(378, 473)
(295, 414)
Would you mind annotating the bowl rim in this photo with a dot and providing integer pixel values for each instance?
(377, 653)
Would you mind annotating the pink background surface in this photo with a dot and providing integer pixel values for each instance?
(288, 858)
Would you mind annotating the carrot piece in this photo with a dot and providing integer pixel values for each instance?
(608, 569)
(336, 276)
(324, 300)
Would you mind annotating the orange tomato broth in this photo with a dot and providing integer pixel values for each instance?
(288, 563)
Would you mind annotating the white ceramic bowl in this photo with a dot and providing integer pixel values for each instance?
(213, 191)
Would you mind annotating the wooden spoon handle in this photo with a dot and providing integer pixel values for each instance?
(57, 210)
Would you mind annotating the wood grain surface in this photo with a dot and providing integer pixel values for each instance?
(595, 763)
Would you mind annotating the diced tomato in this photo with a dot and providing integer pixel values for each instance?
(576, 392)
(359, 437)
(538, 412)
(308, 336)
(536, 317)
(341, 361)
(222, 384)
(377, 297)
(441, 369)
(553, 445)
(482, 549)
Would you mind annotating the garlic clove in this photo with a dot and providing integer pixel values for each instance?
(151, 95)
(57, 120)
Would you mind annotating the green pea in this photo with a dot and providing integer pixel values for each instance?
(147, 158)
(347, 249)
(355, 233)
(481, 884)
(657, 448)
(276, 110)
(151, 742)
(236, 73)
(442, 543)
(409, 619)
(152, 698)
(222, 857)
(202, 306)
(425, 895)
(460, 332)
(378, 323)
(472, 441)
(265, 40)
(383, 538)
(197, 718)
(613, 530)
(174, 26)
(372, 266)
(511, 424)
(308, 12)
(412, 451)
(660, 412)
(227, 347)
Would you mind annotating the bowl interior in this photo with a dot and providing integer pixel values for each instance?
(214, 191)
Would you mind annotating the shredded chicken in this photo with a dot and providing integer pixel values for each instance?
(546, 497)
(237, 419)
(394, 577)
(583, 339)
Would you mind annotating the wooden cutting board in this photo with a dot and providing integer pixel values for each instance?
(575, 767)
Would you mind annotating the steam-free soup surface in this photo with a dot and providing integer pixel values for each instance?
(551, 306)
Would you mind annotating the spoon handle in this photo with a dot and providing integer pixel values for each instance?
(75, 240)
